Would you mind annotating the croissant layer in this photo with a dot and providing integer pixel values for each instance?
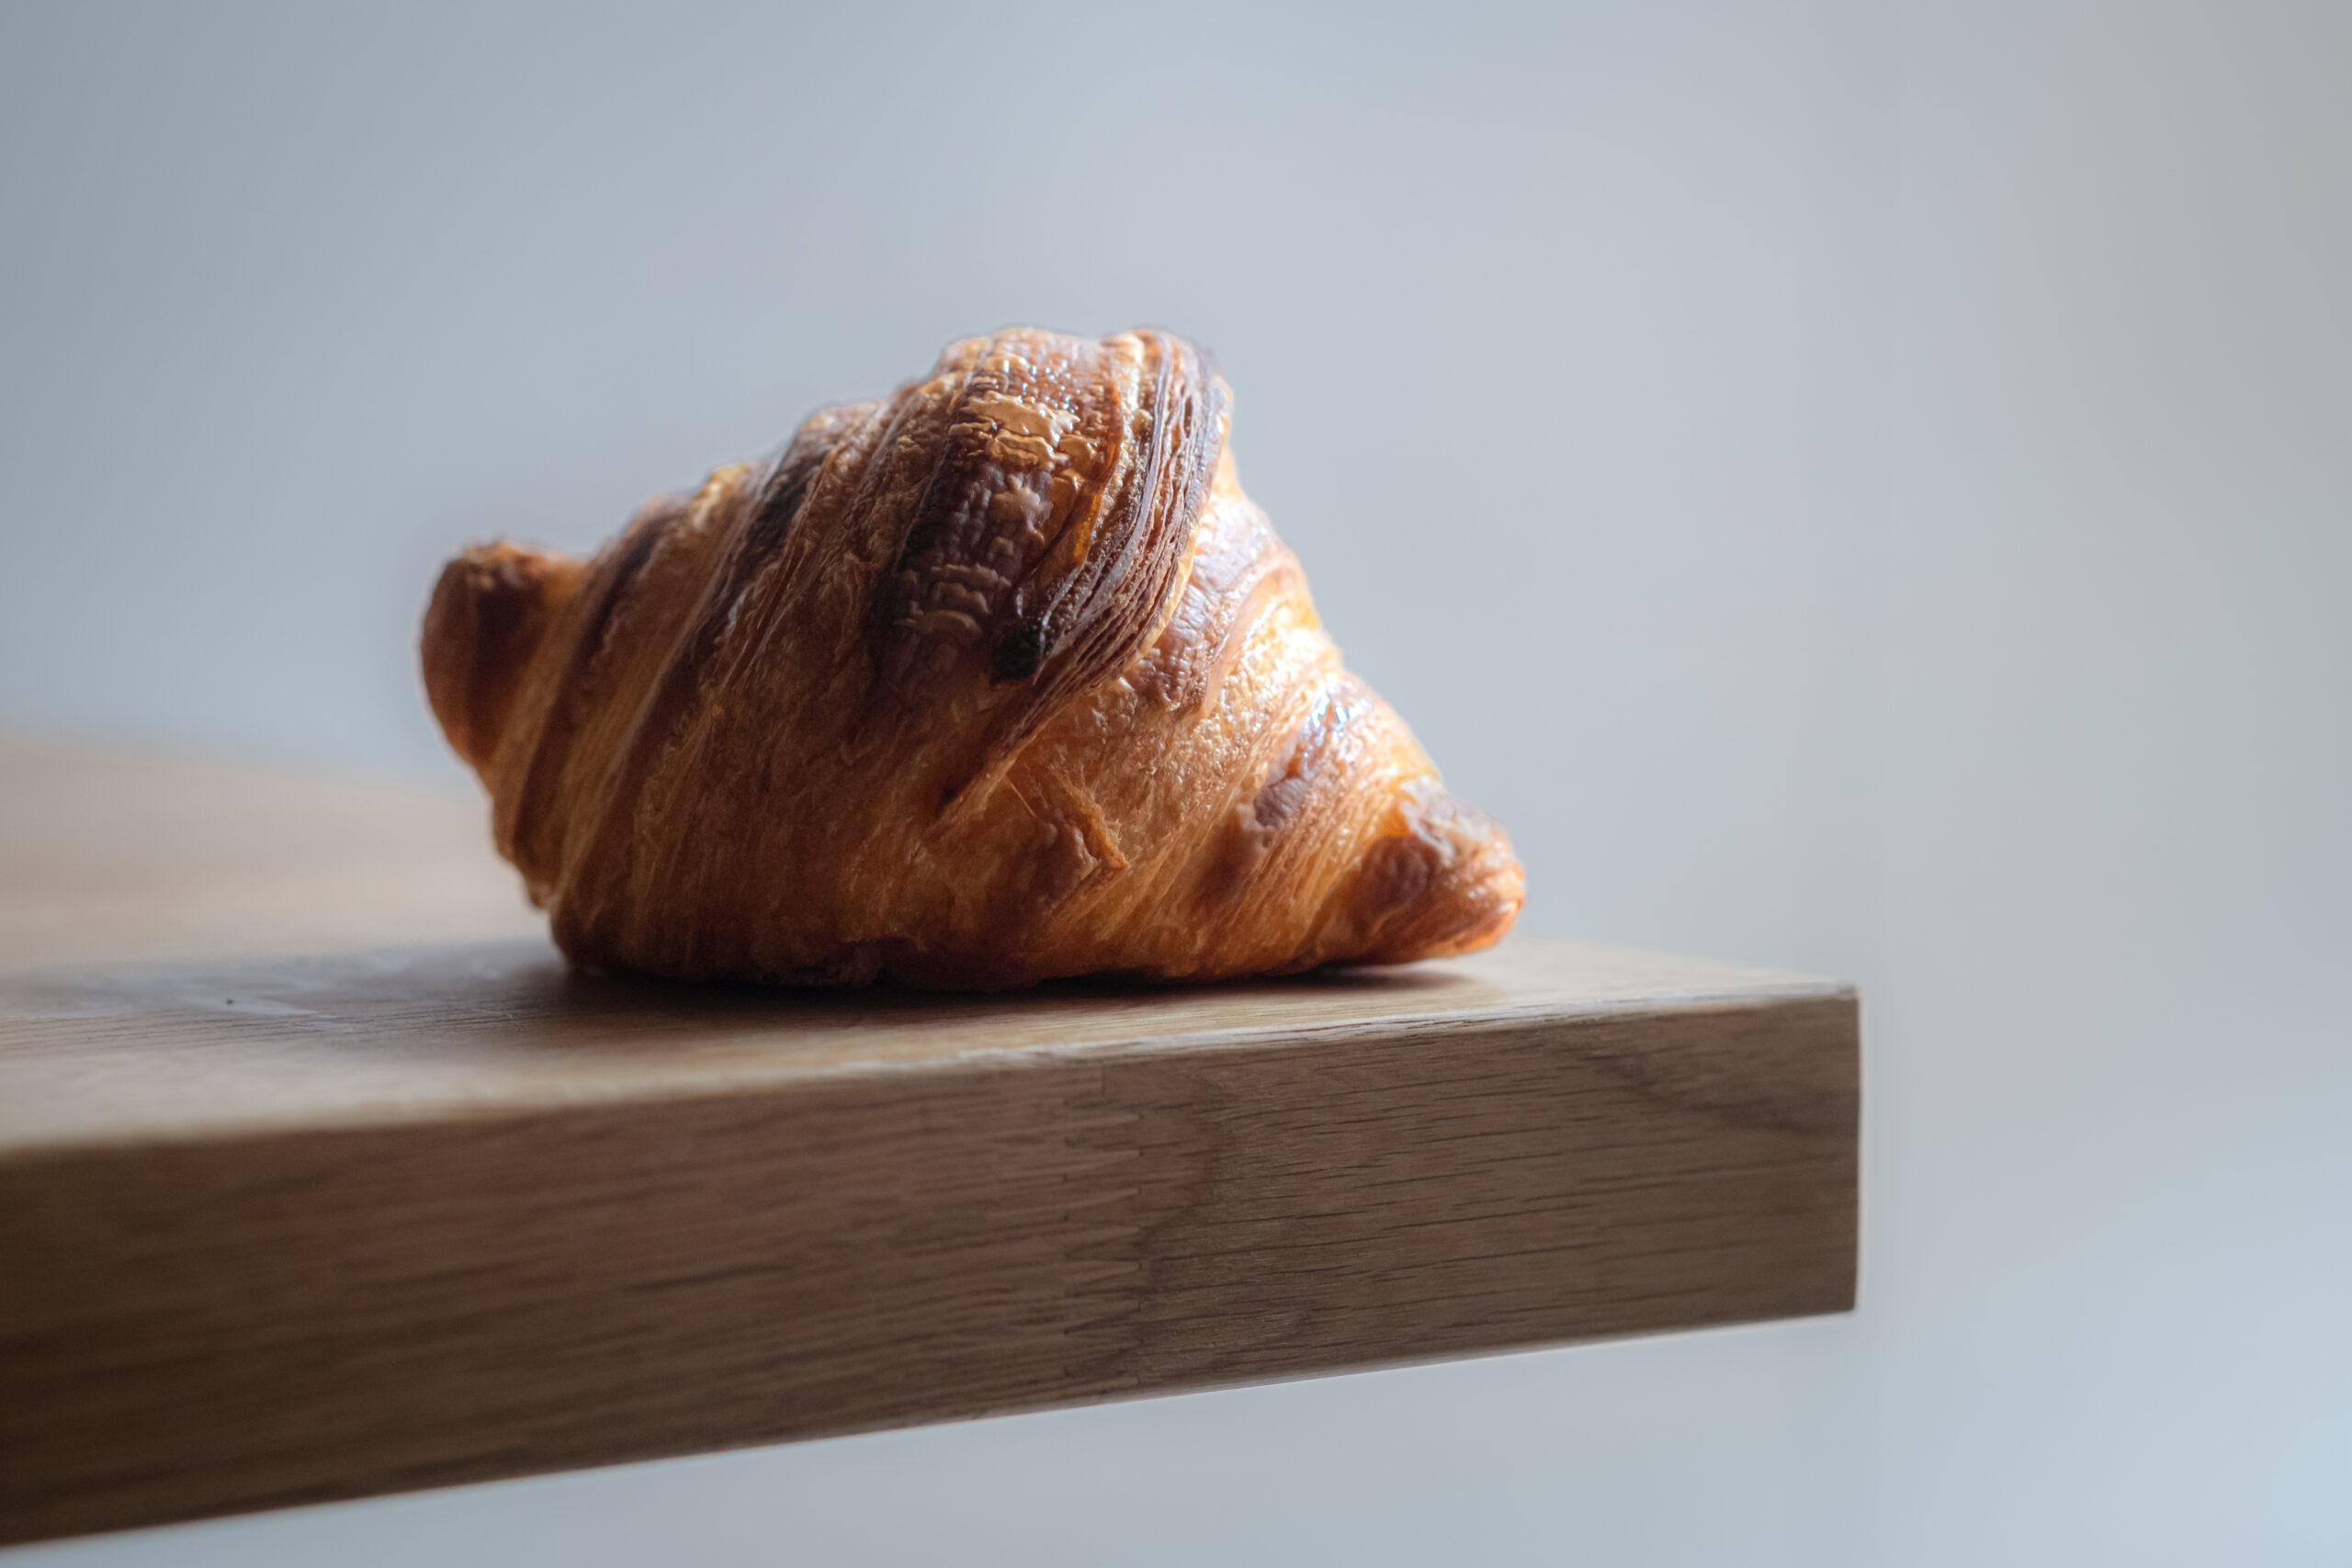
(996, 678)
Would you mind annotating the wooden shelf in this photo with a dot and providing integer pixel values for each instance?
(320, 1177)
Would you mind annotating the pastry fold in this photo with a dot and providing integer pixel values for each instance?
(996, 678)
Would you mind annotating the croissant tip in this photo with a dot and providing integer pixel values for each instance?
(1445, 885)
(490, 609)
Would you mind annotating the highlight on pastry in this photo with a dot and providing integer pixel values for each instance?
(996, 678)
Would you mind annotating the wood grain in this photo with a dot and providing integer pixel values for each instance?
(302, 1218)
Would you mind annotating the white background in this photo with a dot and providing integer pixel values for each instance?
(1866, 488)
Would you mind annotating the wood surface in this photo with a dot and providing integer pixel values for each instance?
(321, 1177)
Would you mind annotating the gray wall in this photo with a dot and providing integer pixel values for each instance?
(1867, 488)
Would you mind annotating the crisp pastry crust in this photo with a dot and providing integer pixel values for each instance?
(996, 678)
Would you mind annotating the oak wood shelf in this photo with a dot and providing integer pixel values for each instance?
(320, 1177)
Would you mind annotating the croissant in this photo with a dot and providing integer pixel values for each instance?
(998, 679)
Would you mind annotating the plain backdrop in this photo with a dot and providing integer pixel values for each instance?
(1866, 488)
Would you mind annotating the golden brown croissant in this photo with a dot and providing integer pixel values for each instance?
(998, 679)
